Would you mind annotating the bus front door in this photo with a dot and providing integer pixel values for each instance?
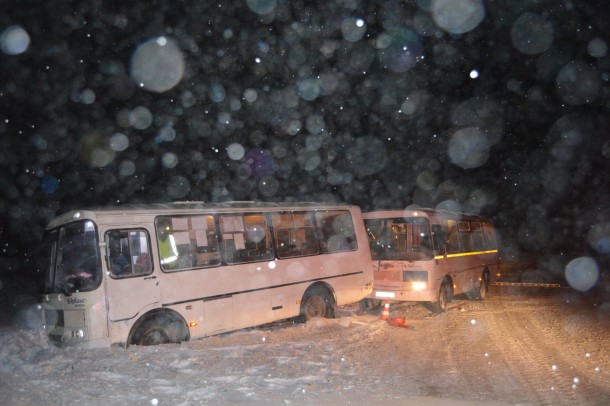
(128, 297)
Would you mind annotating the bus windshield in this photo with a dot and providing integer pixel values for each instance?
(405, 239)
(75, 264)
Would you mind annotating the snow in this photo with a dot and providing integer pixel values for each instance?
(284, 363)
(498, 352)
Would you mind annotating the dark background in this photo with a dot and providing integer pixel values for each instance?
(334, 118)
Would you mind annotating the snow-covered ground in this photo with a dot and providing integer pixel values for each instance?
(518, 347)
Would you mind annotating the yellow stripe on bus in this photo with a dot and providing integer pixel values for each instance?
(464, 254)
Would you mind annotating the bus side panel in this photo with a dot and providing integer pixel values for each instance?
(357, 282)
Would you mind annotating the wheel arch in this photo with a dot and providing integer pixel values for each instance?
(169, 314)
(320, 285)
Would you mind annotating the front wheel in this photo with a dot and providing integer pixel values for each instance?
(154, 335)
(445, 296)
(160, 329)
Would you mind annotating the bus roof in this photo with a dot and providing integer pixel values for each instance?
(421, 212)
(186, 207)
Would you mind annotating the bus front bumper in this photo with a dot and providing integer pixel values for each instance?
(413, 295)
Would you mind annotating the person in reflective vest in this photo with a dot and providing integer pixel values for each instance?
(167, 245)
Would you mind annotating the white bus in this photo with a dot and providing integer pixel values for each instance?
(431, 255)
(168, 273)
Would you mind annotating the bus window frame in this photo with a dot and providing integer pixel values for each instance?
(133, 273)
(310, 249)
(192, 254)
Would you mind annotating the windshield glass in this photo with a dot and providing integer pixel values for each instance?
(400, 239)
(74, 258)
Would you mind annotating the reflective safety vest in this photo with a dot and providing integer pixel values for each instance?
(168, 251)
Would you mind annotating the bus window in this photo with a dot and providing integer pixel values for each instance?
(465, 236)
(246, 238)
(203, 229)
(187, 242)
(489, 236)
(451, 234)
(400, 238)
(477, 236)
(78, 266)
(335, 231)
(438, 237)
(166, 241)
(50, 243)
(294, 235)
(128, 253)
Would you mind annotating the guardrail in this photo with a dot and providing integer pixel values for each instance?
(543, 285)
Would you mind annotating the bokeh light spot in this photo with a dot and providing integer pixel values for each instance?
(353, 29)
(262, 6)
(531, 34)
(469, 148)
(236, 151)
(157, 65)
(14, 40)
(582, 273)
(458, 16)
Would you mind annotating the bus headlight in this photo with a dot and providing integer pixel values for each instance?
(418, 285)
(75, 334)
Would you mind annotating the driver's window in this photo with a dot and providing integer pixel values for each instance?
(128, 253)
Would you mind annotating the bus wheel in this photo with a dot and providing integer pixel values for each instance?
(445, 296)
(370, 304)
(160, 329)
(154, 335)
(481, 292)
(317, 302)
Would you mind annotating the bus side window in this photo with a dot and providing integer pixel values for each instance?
(294, 234)
(128, 253)
(489, 235)
(451, 236)
(477, 235)
(438, 237)
(465, 236)
(335, 231)
(246, 238)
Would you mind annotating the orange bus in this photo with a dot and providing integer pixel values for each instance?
(427, 255)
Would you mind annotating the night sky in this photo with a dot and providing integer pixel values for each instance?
(493, 107)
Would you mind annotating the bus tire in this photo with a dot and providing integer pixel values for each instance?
(445, 296)
(317, 302)
(481, 291)
(370, 304)
(160, 328)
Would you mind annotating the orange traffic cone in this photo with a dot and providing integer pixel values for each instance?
(385, 314)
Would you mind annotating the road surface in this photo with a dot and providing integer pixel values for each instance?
(522, 346)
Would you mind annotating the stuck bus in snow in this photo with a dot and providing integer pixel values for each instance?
(429, 256)
(166, 273)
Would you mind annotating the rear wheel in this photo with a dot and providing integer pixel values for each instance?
(317, 302)
(481, 292)
(370, 304)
